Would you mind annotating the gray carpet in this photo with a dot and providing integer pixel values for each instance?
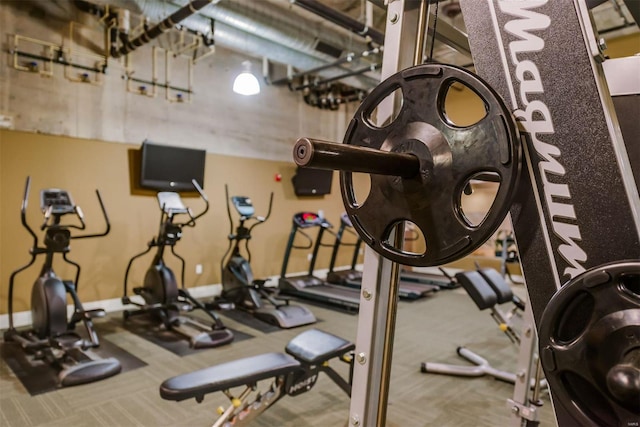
(427, 330)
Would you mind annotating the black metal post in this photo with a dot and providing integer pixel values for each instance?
(166, 24)
(341, 19)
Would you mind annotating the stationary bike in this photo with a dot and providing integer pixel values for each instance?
(238, 284)
(163, 299)
(52, 337)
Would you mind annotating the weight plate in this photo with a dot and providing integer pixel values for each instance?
(449, 156)
(590, 345)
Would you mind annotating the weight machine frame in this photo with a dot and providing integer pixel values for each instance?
(559, 234)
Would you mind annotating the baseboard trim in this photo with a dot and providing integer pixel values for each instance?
(23, 318)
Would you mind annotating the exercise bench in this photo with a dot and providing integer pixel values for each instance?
(488, 289)
(293, 372)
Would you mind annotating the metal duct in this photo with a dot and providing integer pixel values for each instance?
(282, 26)
(236, 39)
(166, 24)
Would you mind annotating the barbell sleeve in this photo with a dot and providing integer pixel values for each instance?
(317, 154)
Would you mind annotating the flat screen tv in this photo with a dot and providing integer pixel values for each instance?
(170, 168)
(312, 182)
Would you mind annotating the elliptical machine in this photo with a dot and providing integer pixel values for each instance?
(238, 285)
(52, 337)
(164, 300)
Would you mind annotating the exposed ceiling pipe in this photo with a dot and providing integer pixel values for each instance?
(341, 19)
(345, 59)
(372, 67)
(283, 26)
(193, 6)
(236, 39)
(261, 18)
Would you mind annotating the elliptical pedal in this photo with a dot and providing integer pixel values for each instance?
(68, 340)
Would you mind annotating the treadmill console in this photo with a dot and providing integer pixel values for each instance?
(309, 219)
(59, 200)
(243, 205)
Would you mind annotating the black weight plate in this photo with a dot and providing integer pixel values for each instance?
(588, 331)
(449, 155)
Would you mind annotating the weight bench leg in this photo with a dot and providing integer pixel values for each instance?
(235, 404)
(250, 410)
(482, 367)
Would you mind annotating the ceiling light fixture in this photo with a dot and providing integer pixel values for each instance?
(246, 83)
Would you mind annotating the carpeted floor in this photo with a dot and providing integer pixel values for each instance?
(427, 330)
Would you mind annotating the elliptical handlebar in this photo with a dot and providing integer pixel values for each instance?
(203, 197)
(262, 219)
(258, 219)
(266, 217)
(226, 195)
(235, 235)
(80, 215)
(23, 211)
(192, 219)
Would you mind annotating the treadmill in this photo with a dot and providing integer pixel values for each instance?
(352, 278)
(308, 286)
(350, 275)
(442, 281)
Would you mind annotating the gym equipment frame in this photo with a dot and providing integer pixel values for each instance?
(308, 285)
(574, 202)
(164, 300)
(239, 288)
(293, 373)
(52, 337)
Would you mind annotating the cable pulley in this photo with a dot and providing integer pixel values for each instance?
(421, 163)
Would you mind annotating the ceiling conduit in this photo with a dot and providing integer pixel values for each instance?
(341, 19)
(282, 26)
(233, 39)
(236, 39)
(163, 26)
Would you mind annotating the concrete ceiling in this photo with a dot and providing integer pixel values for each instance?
(612, 18)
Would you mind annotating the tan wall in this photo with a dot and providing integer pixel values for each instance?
(80, 166)
(623, 46)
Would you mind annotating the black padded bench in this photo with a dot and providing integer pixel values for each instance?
(310, 347)
(227, 375)
(498, 284)
(485, 287)
(478, 289)
(315, 346)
